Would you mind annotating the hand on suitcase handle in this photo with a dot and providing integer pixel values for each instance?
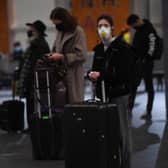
(94, 75)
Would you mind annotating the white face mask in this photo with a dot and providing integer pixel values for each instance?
(104, 32)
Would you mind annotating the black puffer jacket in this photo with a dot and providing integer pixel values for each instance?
(114, 65)
(38, 47)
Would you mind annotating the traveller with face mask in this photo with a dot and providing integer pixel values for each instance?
(111, 64)
(17, 54)
(37, 48)
(70, 50)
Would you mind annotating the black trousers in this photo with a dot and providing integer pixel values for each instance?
(147, 76)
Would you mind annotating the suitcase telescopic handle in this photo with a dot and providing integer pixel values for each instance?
(94, 92)
(103, 91)
(48, 95)
(37, 92)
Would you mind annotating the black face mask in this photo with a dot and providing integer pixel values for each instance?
(29, 33)
(60, 27)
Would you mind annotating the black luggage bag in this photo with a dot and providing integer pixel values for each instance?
(12, 115)
(92, 135)
(46, 137)
(46, 122)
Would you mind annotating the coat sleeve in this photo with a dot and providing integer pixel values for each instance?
(79, 50)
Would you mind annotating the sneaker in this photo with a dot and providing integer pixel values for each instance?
(146, 116)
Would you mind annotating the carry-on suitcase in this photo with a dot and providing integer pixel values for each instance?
(4, 118)
(92, 135)
(12, 115)
(46, 123)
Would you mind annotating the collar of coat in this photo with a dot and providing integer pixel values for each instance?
(63, 37)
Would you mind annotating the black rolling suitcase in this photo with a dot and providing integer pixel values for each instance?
(46, 125)
(12, 115)
(92, 135)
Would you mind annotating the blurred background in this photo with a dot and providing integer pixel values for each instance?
(150, 146)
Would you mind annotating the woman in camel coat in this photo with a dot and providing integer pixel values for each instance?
(69, 48)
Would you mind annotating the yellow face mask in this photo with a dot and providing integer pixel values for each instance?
(104, 32)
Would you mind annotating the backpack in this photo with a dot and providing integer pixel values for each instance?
(157, 55)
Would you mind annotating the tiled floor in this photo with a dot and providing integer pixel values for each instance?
(149, 139)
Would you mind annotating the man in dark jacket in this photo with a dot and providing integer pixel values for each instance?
(37, 48)
(144, 45)
(112, 64)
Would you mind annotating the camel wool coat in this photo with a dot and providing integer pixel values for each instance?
(73, 46)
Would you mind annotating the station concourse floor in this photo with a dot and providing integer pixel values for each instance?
(149, 139)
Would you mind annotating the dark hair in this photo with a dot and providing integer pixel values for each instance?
(106, 17)
(132, 19)
(16, 44)
(68, 20)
